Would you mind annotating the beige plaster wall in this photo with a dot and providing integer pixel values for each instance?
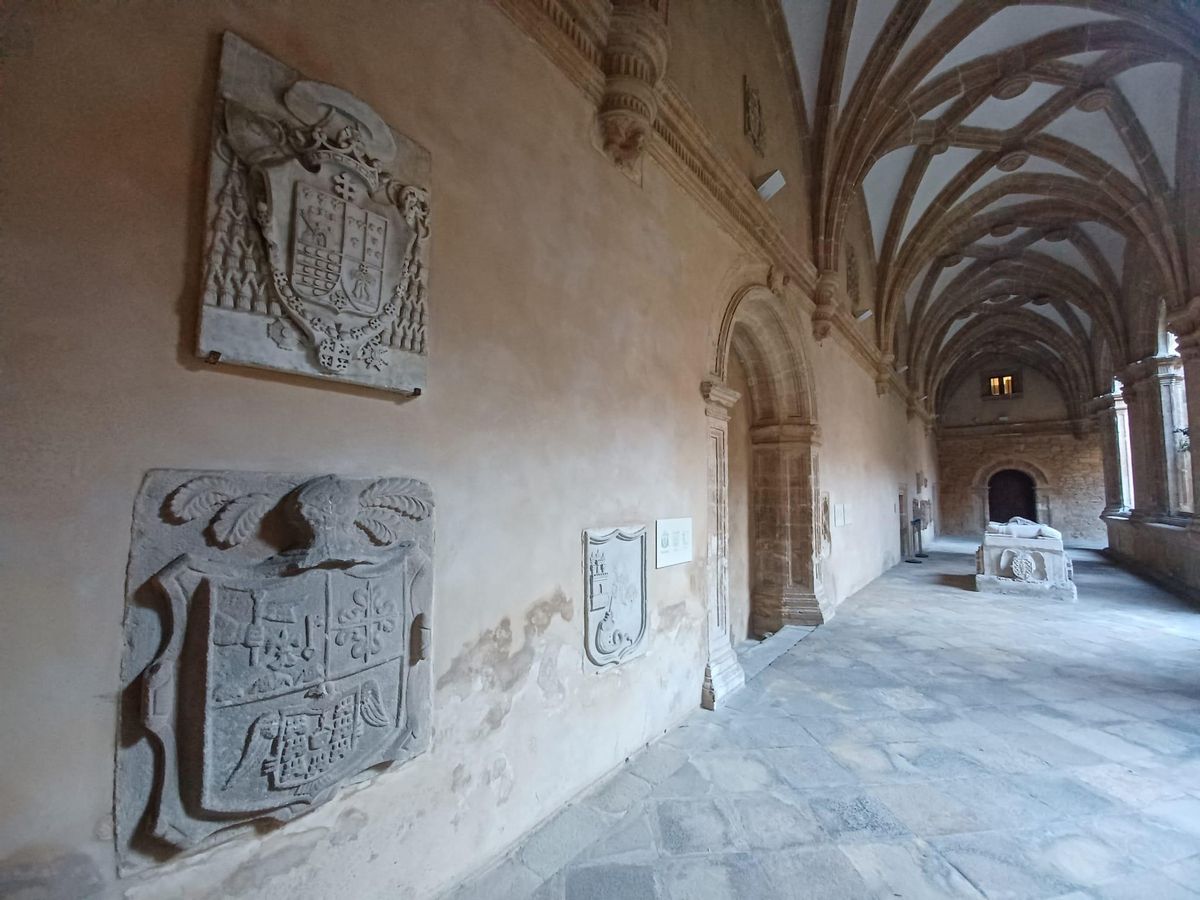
(870, 452)
(713, 44)
(741, 536)
(1072, 467)
(1040, 400)
(571, 313)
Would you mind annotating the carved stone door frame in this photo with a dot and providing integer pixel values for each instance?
(723, 673)
(767, 336)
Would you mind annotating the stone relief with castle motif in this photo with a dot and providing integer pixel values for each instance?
(615, 603)
(277, 643)
(318, 231)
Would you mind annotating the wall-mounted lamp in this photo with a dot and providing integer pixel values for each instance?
(771, 185)
(902, 370)
(864, 315)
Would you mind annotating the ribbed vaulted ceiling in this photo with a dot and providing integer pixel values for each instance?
(1008, 155)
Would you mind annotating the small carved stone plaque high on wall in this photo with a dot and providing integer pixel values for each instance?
(615, 605)
(277, 637)
(318, 226)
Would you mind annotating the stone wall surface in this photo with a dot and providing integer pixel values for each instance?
(1071, 465)
(1168, 553)
(571, 328)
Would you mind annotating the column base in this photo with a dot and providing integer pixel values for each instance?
(774, 609)
(722, 675)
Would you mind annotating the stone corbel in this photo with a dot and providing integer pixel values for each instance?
(778, 281)
(826, 299)
(634, 62)
(1185, 324)
(883, 373)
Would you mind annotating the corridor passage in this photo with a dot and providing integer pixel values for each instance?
(929, 742)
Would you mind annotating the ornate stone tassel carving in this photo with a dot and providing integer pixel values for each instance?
(635, 61)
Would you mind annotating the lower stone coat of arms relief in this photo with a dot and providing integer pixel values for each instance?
(277, 647)
(615, 608)
(318, 231)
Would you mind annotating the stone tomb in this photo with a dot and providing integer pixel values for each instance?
(1023, 557)
(615, 609)
(318, 228)
(277, 642)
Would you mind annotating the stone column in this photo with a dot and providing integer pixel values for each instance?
(1147, 430)
(1104, 410)
(1169, 381)
(785, 505)
(1186, 326)
(723, 673)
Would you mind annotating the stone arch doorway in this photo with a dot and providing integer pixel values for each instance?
(1042, 493)
(785, 583)
(1011, 492)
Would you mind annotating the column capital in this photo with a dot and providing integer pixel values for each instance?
(1098, 406)
(719, 398)
(1185, 324)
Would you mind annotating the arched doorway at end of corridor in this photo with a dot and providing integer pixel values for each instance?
(1011, 492)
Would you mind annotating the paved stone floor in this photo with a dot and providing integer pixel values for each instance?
(929, 742)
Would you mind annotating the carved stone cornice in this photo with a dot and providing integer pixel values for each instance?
(571, 32)
(719, 399)
(634, 63)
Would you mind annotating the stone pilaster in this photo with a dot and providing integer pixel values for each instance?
(1104, 410)
(785, 503)
(723, 673)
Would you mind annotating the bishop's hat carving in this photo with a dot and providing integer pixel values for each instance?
(318, 213)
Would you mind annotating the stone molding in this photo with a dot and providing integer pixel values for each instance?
(1075, 427)
(719, 399)
(806, 433)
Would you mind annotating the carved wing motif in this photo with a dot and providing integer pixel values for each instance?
(200, 496)
(385, 505)
(240, 518)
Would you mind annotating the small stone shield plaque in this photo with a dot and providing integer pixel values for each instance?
(615, 603)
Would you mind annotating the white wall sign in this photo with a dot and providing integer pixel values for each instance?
(672, 542)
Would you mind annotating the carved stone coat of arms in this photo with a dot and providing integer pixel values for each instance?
(277, 647)
(615, 603)
(318, 215)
